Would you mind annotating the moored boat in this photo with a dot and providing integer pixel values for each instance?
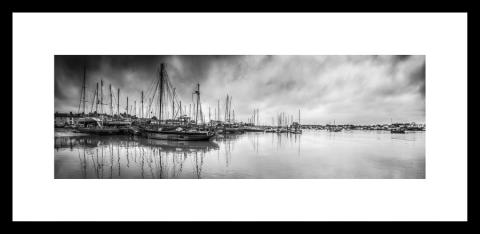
(253, 129)
(269, 130)
(92, 125)
(100, 130)
(282, 130)
(174, 132)
(296, 131)
(397, 130)
(60, 125)
(230, 130)
(335, 129)
(178, 135)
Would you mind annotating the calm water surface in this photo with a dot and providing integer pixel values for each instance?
(314, 154)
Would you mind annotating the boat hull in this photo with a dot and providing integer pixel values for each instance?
(182, 136)
(254, 130)
(100, 131)
(230, 130)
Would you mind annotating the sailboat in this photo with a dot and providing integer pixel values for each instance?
(269, 129)
(397, 130)
(94, 125)
(253, 129)
(296, 127)
(335, 128)
(178, 133)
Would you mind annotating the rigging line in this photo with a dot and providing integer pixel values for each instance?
(93, 101)
(152, 99)
(154, 93)
(150, 87)
(149, 91)
(169, 86)
(153, 85)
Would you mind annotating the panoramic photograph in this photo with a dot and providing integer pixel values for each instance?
(239, 117)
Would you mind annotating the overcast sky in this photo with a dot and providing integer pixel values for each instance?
(353, 89)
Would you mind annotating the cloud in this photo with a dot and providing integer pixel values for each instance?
(348, 89)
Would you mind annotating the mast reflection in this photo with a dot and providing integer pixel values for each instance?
(157, 159)
(228, 141)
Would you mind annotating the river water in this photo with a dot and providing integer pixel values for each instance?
(315, 154)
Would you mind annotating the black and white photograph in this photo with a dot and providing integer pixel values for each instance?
(224, 116)
(240, 117)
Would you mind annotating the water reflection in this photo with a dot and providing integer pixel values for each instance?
(228, 142)
(110, 157)
(353, 154)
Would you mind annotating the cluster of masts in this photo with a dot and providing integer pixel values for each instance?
(147, 107)
(97, 103)
(284, 119)
(164, 104)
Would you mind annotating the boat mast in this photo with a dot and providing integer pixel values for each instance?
(160, 92)
(84, 83)
(149, 112)
(126, 108)
(173, 104)
(226, 109)
(229, 109)
(82, 93)
(180, 108)
(95, 100)
(111, 106)
(198, 101)
(252, 121)
(101, 96)
(142, 105)
(118, 101)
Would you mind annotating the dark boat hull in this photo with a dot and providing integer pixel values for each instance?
(100, 131)
(180, 136)
(254, 130)
(230, 130)
(335, 130)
